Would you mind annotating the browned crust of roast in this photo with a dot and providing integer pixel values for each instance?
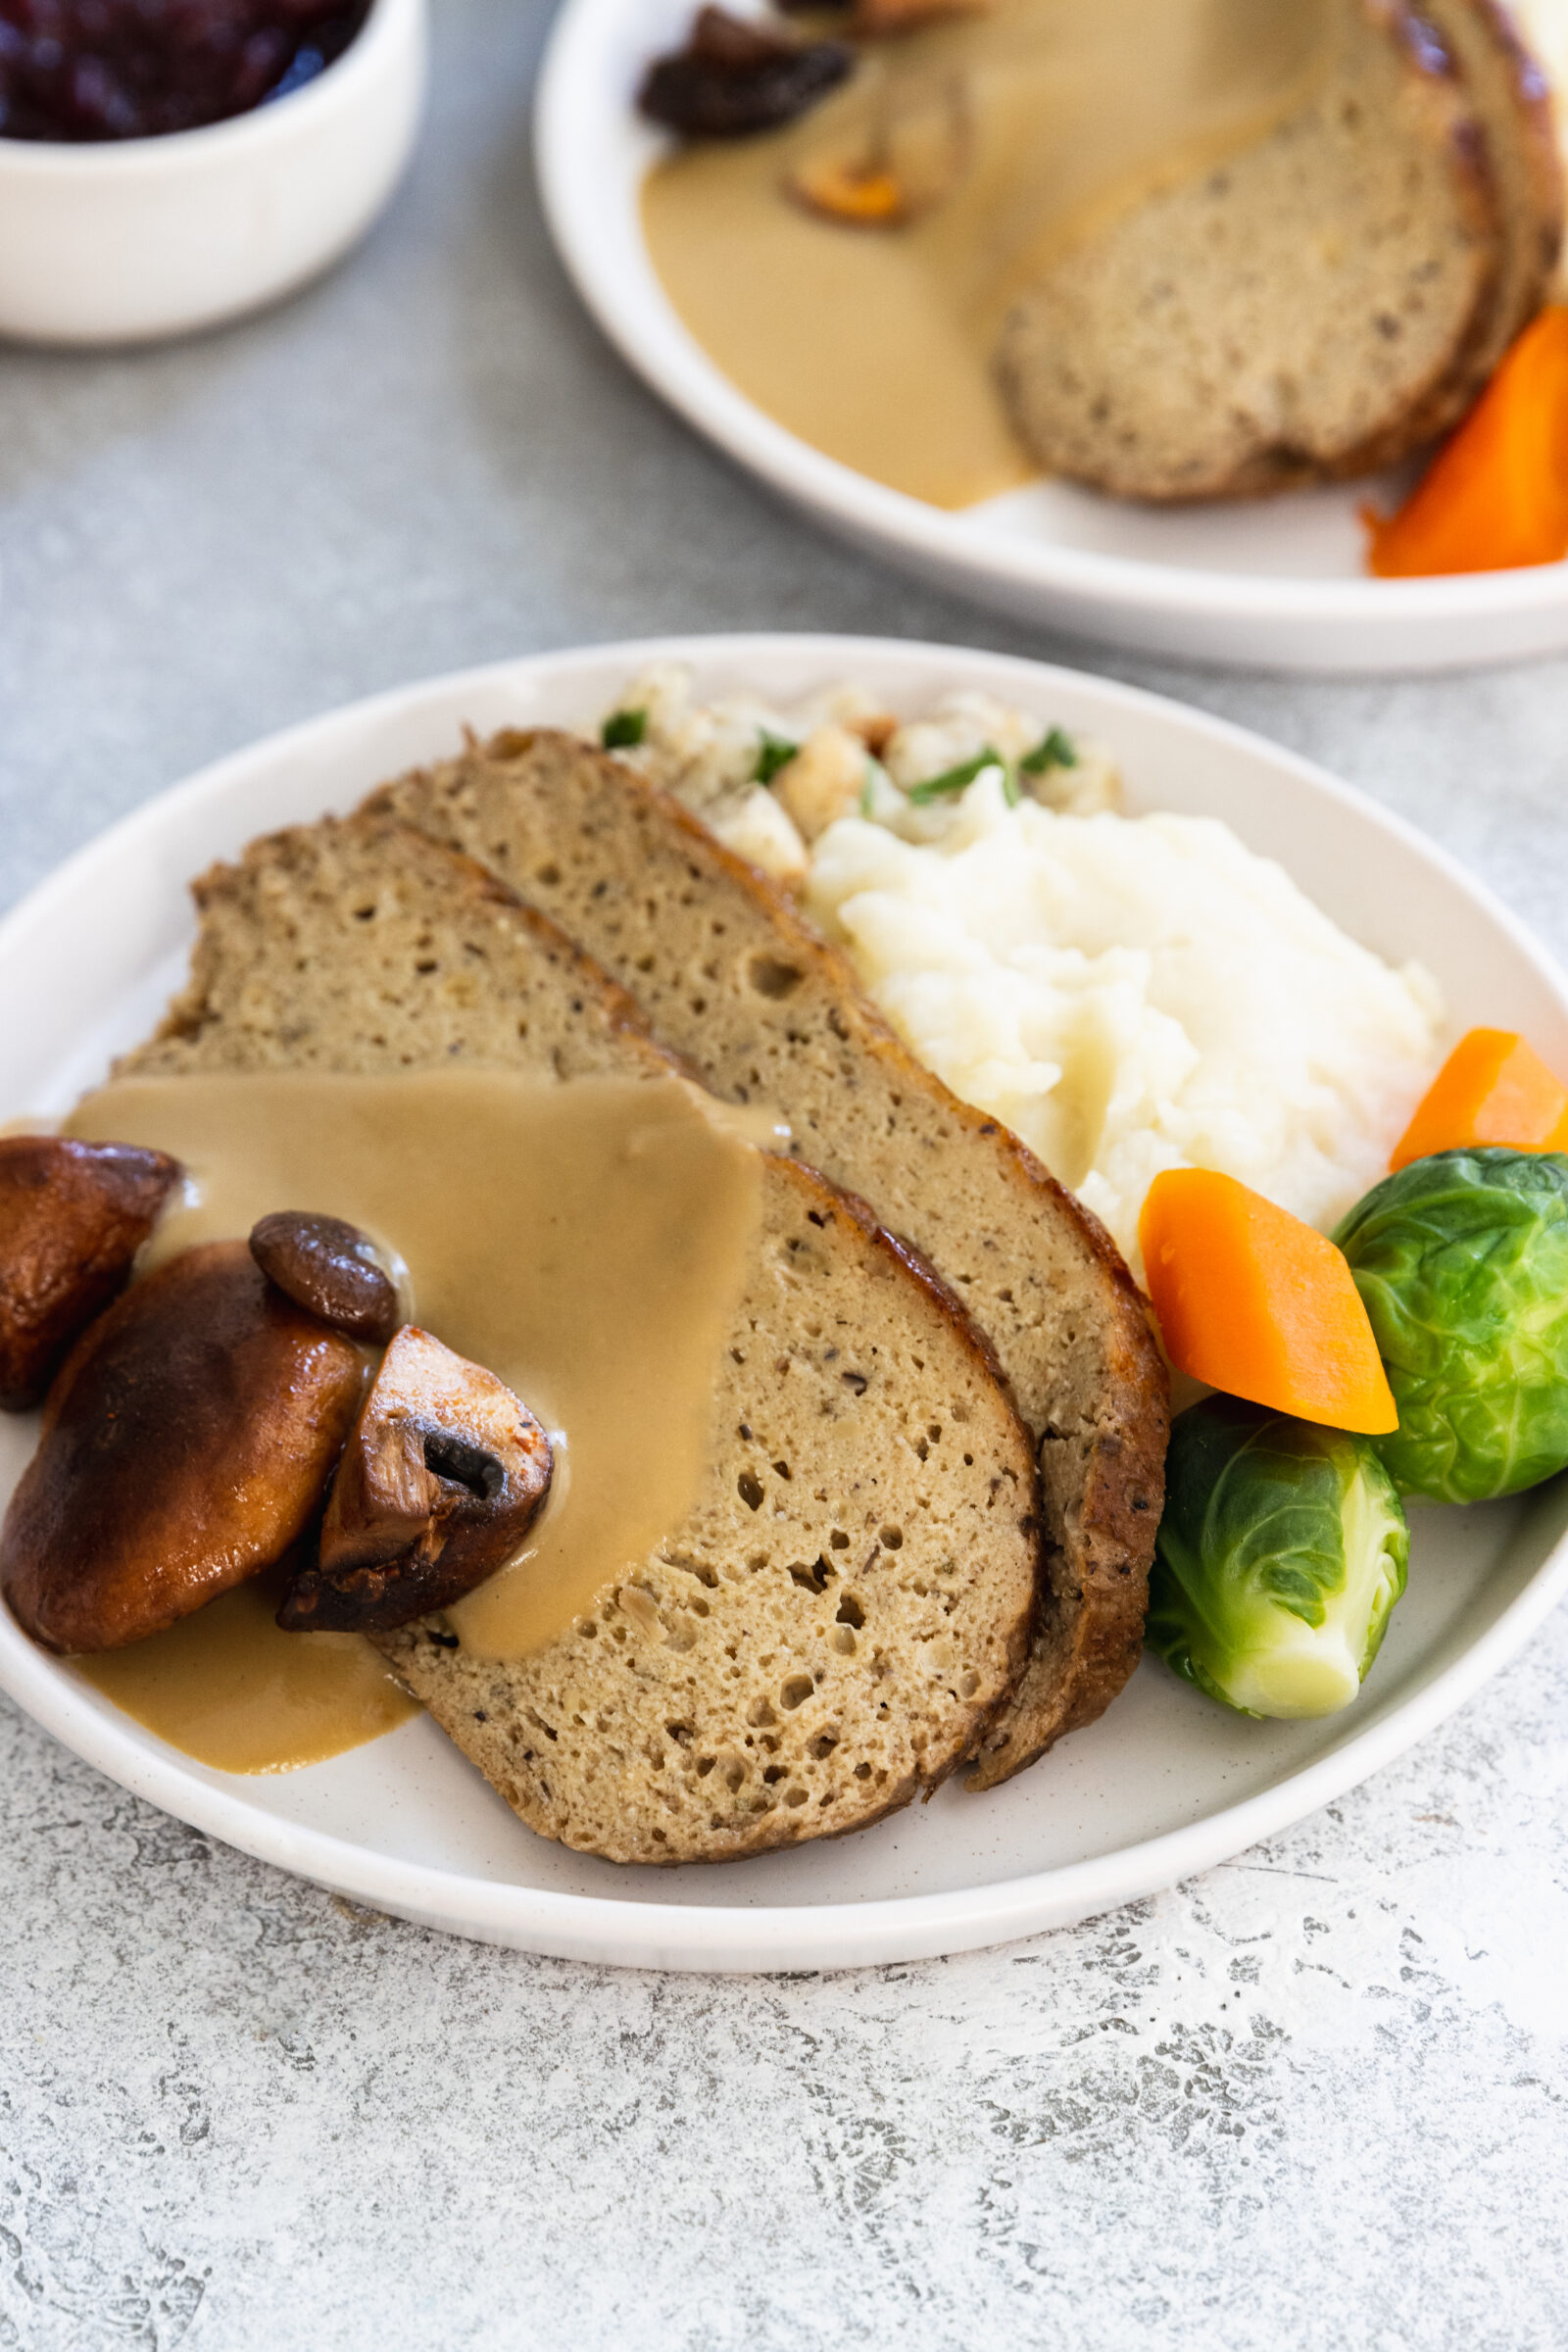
(1101, 1421)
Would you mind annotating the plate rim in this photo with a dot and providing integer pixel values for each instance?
(680, 372)
(728, 1938)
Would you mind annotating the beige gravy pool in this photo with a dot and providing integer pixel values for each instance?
(874, 344)
(587, 1243)
(228, 1688)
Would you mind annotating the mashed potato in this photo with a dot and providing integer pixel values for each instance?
(1135, 993)
(1128, 994)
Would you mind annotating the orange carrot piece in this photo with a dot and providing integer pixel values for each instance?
(864, 198)
(1495, 496)
(1254, 1302)
(1492, 1089)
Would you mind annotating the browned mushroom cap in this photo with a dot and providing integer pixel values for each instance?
(438, 1485)
(735, 77)
(331, 1268)
(187, 1443)
(72, 1218)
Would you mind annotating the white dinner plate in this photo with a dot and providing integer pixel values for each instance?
(1164, 1785)
(1277, 583)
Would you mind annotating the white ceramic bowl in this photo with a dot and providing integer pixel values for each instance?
(1167, 1783)
(127, 240)
(1274, 583)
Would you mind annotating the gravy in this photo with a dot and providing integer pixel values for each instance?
(873, 345)
(587, 1243)
(229, 1687)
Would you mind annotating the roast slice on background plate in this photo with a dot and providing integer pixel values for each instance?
(1165, 1784)
(1275, 583)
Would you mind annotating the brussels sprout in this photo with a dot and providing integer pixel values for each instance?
(1281, 1553)
(1462, 1262)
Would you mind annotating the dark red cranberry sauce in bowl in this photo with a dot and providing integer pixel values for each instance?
(83, 70)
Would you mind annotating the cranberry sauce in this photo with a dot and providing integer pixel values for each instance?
(133, 68)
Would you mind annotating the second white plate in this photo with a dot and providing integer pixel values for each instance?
(1167, 1783)
(1274, 583)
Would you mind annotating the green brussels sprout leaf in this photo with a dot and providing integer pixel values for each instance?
(1281, 1553)
(1462, 1264)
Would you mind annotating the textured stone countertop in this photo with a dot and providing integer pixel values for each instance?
(1317, 2098)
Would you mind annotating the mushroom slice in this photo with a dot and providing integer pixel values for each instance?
(872, 20)
(735, 77)
(331, 1268)
(72, 1218)
(441, 1480)
(907, 155)
(187, 1443)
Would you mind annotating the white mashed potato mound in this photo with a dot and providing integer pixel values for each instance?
(1135, 993)
(1128, 994)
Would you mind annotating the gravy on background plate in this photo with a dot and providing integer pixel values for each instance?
(873, 343)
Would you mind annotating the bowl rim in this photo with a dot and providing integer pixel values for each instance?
(387, 24)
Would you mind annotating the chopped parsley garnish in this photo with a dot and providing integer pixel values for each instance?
(1055, 749)
(622, 728)
(1009, 788)
(775, 751)
(866, 793)
(955, 780)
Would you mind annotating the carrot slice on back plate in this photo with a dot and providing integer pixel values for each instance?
(1495, 496)
(1254, 1302)
(1492, 1089)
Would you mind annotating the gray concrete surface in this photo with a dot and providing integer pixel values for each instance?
(1314, 2099)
